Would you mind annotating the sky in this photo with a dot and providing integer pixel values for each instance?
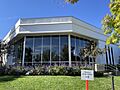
(90, 11)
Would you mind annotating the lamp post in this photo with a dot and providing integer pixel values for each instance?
(113, 88)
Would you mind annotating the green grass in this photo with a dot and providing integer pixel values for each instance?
(55, 83)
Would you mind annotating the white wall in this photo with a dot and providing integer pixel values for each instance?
(46, 28)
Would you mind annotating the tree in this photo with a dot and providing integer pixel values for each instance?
(91, 51)
(72, 1)
(111, 23)
(0, 52)
(64, 53)
(4, 48)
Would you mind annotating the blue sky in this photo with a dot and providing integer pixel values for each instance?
(90, 11)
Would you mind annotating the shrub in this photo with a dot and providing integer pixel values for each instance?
(38, 70)
(57, 70)
(2, 71)
(118, 66)
(99, 74)
(15, 70)
(73, 71)
(45, 70)
(62, 70)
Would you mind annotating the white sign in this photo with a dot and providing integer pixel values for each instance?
(87, 75)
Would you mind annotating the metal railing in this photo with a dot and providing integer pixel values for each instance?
(112, 68)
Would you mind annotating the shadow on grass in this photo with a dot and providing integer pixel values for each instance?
(8, 78)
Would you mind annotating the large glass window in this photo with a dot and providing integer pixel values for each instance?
(50, 50)
(20, 51)
(78, 44)
(15, 52)
(46, 49)
(73, 49)
(55, 50)
(37, 49)
(77, 50)
(64, 48)
(29, 51)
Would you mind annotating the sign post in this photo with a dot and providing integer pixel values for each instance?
(87, 75)
(86, 84)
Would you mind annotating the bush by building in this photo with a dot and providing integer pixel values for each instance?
(43, 70)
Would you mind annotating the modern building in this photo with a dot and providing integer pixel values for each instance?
(55, 41)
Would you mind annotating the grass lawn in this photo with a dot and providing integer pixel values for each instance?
(54, 83)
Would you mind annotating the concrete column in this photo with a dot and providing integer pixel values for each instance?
(69, 49)
(42, 51)
(23, 58)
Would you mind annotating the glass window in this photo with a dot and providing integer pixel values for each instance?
(16, 52)
(37, 49)
(29, 42)
(73, 48)
(20, 51)
(55, 41)
(64, 48)
(28, 50)
(55, 48)
(37, 56)
(82, 43)
(46, 41)
(77, 50)
(46, 49)
(63, 40)
(46, 54)
(55, 54)
(78, 43)
(37, 42)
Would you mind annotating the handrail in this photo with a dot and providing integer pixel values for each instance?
(111, 67)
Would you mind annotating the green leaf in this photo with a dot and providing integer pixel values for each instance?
(111, 22)
(108, 41)
(109, 31)
(114, 40)
(117, 30)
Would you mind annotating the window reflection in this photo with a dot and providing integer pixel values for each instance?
(16, 52)
(46, 54)
(37, 49)
(72, 48)
(46, 49)
(77, 50)
(64, 49)
(55, 50)
(46, 41)
(29, 51)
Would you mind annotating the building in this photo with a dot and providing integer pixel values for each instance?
(55, 41)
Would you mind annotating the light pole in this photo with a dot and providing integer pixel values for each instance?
(113, 88)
